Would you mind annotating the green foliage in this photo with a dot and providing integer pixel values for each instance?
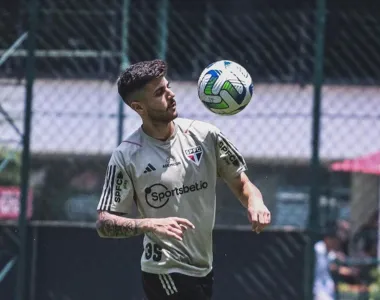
(374, 288)
(10, 175)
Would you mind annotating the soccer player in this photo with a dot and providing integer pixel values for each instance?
(168, 168)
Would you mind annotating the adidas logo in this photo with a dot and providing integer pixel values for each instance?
(149, 168)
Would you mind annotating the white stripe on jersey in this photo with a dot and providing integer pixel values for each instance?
(105, 187)
(109, 200)
(106, 198)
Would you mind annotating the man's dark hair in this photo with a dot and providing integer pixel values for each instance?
(137, 76)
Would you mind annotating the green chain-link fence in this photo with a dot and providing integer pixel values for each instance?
(77, 119)
(81, 47)
(11, 120)
(350, 131)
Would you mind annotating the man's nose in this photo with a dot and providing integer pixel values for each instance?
(170, 94)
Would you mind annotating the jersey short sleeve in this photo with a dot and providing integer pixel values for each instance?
(230, 162)
(118, 192)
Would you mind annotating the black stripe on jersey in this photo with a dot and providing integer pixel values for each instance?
(110, 190)
(231, 145)
(152, 168)
(232, 148)
(105, 188)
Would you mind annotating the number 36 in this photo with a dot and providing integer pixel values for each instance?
(153, 251)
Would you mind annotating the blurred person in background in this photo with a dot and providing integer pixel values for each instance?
(168, 168)
(344, 229)
(365, 239)
(365, 245)
(329, 256)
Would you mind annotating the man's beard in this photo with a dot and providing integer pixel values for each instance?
(158, 116)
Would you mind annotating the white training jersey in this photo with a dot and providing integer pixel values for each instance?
(173, 178)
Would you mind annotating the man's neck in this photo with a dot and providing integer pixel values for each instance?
(159, 131)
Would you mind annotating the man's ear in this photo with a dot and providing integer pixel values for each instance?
(137, 107)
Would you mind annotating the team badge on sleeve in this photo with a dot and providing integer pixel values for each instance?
(195, 154)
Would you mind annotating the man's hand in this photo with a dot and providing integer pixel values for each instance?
(251, 198)
(258, 215)
(170, 227)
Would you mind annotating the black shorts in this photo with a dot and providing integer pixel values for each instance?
(177, 286)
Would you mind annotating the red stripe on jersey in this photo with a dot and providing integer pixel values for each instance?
(187, 130)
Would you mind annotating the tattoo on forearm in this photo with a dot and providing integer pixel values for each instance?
(117, 229)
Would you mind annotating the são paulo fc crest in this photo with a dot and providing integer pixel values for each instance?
(194, 154)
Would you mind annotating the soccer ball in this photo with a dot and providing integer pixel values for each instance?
(225, 87)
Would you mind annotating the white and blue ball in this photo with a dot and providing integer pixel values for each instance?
(225, 87)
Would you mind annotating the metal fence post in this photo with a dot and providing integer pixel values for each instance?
(163, 29)
(315, 159)
(22, 221)
(124, 63)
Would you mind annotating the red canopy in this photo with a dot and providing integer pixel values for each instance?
(368, 164)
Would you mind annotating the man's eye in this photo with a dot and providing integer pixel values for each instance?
(160, 92)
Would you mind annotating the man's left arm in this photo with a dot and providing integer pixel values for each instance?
(252, 199)
(231, 166)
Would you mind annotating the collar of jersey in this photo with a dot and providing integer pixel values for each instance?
(168, 142)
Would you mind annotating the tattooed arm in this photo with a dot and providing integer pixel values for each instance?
(111, 225)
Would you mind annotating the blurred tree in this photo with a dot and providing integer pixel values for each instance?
(10, 173)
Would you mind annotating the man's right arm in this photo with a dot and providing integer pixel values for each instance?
(111, 225)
